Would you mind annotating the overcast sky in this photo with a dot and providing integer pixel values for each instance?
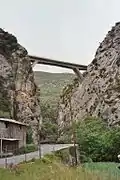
(68, 30)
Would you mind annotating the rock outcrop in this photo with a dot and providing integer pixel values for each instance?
(99, 93)
(18, 91)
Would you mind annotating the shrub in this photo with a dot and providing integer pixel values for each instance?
(49, 128)
(63, 155)
(50, 158)
(97, 141)
(29, 138)
(26, 149)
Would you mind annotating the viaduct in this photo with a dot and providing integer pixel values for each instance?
(46, 61)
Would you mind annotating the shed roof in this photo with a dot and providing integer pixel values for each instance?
(10, 139)
(13, 121)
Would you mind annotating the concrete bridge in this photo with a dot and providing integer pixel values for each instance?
(46, 61)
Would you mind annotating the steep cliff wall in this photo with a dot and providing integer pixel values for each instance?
(99, 93)
(18, 91)
(66, 111)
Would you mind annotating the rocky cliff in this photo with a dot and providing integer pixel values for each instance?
(18, 91)
(99, 93)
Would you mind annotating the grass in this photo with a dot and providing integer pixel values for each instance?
(110, 169)
(47, 169)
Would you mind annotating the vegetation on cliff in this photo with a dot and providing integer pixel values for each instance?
(51, 86)
(49, 129)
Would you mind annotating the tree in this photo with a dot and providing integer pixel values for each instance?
(29, 139)
(49, 127)
(97, 141)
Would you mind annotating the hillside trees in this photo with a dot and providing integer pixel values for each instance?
(49, 128)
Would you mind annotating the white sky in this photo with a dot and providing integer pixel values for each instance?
(68, 30)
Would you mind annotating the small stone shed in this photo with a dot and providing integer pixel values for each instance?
(12, 135)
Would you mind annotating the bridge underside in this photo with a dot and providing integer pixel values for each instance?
(75, 67)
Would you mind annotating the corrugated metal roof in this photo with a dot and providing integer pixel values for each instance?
(13, 121)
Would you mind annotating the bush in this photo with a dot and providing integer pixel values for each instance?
(29, 138)
(49, 128)
(50, 158)
(96, 141)
(65, 139)
(26, 149)
(63, 155)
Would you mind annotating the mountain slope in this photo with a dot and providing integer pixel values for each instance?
(99, 93)
(18, 92)
(51, 84)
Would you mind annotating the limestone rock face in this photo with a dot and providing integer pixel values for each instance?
(99, 93)
(17, 87)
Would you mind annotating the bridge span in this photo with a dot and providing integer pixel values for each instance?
(46, 61)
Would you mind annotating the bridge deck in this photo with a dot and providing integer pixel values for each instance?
(52, 62)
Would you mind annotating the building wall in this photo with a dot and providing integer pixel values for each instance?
(13, 131)
(10, 146)
(22, 141)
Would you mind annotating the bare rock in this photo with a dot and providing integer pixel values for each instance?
(99, 93)
(17, 85)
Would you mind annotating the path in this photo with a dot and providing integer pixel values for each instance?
(45, 149)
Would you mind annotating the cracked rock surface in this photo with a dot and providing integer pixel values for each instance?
(99, 93)
(17, 85)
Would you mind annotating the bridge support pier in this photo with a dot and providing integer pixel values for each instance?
(78, 74)
(34, 63)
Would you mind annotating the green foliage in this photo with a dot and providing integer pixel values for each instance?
(54, 170)
(65, 138)
(63, 155)
(4, 114)
(29, 139)
(4, 104)
(65, 135)
(68, 90)
(49, 131)
(51, 85)
(97, 141)
(49, 158)
(49, 112)
(27, 149)
(102, 167)
(49, 126)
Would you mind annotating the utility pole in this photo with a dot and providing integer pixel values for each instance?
(1, 145)
(74, 142)
(39, 144)
(39, 140)
(74, 131)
